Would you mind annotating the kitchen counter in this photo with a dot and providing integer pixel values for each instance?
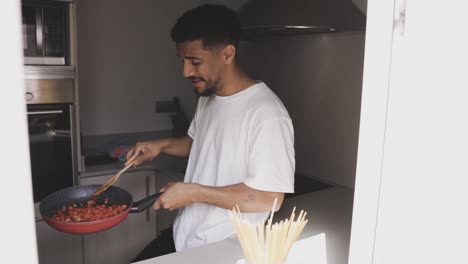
(325, 239)
(170, 166)
(99, 147)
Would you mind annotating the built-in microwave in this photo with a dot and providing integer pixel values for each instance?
(45, 32)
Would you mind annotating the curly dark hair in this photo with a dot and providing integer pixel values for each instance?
(215, 25)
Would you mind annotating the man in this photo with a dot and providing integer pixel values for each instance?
(240, 142)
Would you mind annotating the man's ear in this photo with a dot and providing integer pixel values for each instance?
(229, 53)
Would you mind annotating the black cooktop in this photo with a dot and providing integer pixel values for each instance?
(304, 184)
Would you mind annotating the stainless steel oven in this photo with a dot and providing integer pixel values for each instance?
(51, 124)
(51, 148)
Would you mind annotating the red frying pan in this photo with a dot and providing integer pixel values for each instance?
(80, 195)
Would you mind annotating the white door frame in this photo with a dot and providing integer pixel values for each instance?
(17, 226)
(376, 79)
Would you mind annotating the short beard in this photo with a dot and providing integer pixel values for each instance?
(207, 92)
(211, 88)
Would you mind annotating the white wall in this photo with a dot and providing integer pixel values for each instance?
(421, 214)
(127, 61)
(18, 236)
(423, 201)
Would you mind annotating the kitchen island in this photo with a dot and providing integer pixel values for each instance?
(325, 239)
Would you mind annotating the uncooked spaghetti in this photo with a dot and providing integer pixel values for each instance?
(267, 243)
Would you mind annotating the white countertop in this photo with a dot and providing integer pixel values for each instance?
(325, 239)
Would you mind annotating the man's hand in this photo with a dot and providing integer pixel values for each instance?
(143, 151)
(148, 150)
(176, 195)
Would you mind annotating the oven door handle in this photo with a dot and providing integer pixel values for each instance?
(45, 112)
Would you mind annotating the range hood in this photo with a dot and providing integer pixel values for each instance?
(278, 17)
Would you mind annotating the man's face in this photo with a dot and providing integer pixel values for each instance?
(203, 67)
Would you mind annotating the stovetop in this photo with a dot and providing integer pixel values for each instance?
(304, 184)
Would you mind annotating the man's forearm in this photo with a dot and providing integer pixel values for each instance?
(177, 146)
(248, 199)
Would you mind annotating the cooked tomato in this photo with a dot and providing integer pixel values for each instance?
(89, 212)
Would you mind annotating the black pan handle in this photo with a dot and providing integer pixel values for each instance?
(144, 203)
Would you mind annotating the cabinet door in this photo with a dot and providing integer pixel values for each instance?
(123, 242)
(164, 218)
(57, 247)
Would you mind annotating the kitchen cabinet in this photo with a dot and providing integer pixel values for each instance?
(57, 247)
(164, 218)
(124, 241)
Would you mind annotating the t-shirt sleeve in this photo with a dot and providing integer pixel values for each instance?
(192, 128)
(271, 162)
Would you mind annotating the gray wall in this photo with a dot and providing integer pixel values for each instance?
(127, 61)
(319, 79)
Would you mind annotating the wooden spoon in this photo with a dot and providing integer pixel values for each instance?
(113, 179)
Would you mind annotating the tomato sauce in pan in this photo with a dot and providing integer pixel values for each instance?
(89, 212)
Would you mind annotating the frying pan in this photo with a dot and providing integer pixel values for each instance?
(80, 195)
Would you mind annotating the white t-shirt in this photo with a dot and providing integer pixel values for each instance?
(246, 137)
